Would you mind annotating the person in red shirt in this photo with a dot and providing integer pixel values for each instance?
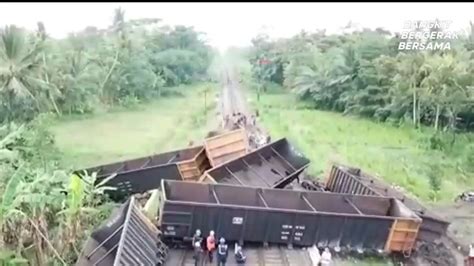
(470, 258)
(211, 245)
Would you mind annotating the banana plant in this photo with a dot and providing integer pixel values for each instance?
(83, 196)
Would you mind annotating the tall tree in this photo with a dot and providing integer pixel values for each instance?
(19, 63)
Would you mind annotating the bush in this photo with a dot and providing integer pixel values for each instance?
(469, 158)
(435, 180)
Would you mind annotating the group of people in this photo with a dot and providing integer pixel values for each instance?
(210, 248)
(238, 120)
(323, 259)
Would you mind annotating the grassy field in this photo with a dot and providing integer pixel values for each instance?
(164, 124)
(399, 155)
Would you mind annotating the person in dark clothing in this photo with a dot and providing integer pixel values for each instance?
(197, 238)
(197, 253)
(222, 251)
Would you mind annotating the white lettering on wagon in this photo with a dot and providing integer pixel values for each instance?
(237, 220)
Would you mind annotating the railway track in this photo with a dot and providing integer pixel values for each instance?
(256, 256)
(232, 101)
(233, 105)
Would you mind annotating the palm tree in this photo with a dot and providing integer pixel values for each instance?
(411, 70)
(52, 91)
(118, 27)
(18, 66)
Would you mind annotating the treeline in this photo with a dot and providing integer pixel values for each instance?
(95, 69)
(364, 73)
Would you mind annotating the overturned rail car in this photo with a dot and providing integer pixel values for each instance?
(226, 146)
(274, 165)
(300, 218)
(143, 174)
(344, 179)
(127, 238)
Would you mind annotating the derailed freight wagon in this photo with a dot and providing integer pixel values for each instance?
(274, 165)
(344, 179)
(226, 146)
(264, 215)
(145, 173)
(126, 238)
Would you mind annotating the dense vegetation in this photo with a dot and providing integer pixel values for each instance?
(46, 212)
(364, 73)
(402, 155)
(131, 61)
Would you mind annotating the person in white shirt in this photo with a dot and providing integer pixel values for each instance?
(314, 255)
(326, 257)
(470, 257)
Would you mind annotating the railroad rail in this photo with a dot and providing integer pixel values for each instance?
(256, 256)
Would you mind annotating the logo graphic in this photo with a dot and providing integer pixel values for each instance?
(427, 35)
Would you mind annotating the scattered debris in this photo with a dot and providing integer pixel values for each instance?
(466, 196)
(312, 185)
(436, 254)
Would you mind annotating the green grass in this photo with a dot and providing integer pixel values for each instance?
(164, 124)
(369, 261)
(398, 155)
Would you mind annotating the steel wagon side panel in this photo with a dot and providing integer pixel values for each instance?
(239, 224)
(344, 179)
(286, 216)
(141, 181)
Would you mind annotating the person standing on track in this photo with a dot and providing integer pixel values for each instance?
(197, 238)
(197, 253)
(222, 251)
(470, 256)
(326, 257)
(211, 245)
